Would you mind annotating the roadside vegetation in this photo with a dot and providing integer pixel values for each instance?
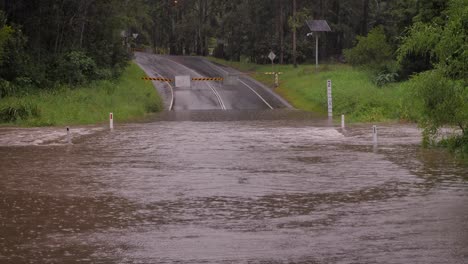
(67, 62)
(419, 75)
(128, 97)
(355, 93)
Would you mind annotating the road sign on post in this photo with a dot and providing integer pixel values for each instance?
(330, 100)
(272, 57)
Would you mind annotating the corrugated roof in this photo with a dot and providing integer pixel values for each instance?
(318, 26)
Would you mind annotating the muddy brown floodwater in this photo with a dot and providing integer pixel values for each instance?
(254, 187)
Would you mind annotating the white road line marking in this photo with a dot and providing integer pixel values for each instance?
(263, 99)
(152, 67)
(218, 96)
(172, 91)
(220, 101)
(271, 107)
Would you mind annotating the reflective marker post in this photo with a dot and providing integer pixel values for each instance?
(374, 133)
(111, 121)
(342, 121)
(68, 136)
(330, 100)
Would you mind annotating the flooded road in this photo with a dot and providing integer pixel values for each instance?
(238, 91)
(250, 187)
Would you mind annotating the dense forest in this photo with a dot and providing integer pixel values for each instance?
(45, 42)
(68, 41)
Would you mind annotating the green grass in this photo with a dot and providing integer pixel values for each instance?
(129, 98)
(354, 92)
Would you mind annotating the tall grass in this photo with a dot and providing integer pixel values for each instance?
(354, 91)
(129, 98)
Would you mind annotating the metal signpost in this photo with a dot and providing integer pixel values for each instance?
(317, 26)
(330, 101)
(316, 49)
(272, 57)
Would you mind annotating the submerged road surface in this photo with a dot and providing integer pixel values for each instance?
(241, 93)
(231, 187)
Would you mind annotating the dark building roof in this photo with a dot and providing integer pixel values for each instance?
(318, 26)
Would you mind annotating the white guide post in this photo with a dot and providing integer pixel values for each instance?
(330, 100)
(68, 136)
(374, 134)
(111, 121)
(342, 121)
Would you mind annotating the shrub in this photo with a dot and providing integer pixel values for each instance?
(373, 50)
(104, 74)
(456, 144)
(75, 68)
(6, 88)
(5, 33)
(442, 100)
(19, 111)
(385, 78)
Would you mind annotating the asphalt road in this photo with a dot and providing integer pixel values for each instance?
(242, 93)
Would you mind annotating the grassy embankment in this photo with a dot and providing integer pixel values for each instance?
(354, 92)
(129, 98)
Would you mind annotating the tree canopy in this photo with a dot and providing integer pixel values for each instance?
(443, 90)
(64, 41)
(39, 37)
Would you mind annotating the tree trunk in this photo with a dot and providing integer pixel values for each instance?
(294, 34)
(83, 25)
(365, 17)
(321, 12)
(281, 32)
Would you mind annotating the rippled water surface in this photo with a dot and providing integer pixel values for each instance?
(272, 187)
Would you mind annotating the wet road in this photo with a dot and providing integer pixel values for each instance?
(238, 187)
(242, 93)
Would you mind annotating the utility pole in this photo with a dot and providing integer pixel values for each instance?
(294, 34)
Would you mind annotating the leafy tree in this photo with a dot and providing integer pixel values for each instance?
(5, 33)
(372, 50)
(443, 90)
(47, 31)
